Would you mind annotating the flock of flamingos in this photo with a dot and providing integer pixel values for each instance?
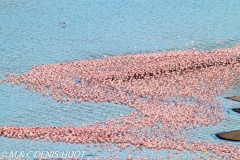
(172, 92)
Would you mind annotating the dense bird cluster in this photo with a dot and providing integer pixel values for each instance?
(172, 92)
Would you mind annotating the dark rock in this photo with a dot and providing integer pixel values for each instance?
(236, 110)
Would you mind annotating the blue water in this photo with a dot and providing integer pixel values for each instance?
(31, 34)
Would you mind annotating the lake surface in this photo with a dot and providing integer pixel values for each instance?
(31, 34)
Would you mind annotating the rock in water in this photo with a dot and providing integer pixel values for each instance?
(234, 98)
(236, 110)
(232, 135)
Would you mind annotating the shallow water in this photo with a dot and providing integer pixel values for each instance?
(31, 34)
